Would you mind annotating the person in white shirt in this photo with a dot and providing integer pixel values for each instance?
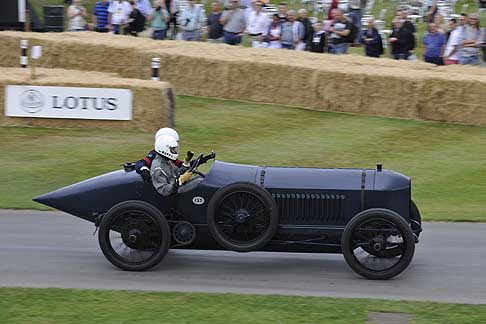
(274, 32)
(453, 46)
(257, 24)
(118, 13)
(77, 16)
(191, 21)
(250, 8)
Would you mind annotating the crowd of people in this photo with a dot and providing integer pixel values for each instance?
(460, 41)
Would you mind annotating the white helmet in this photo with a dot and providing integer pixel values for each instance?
(167, 146)
(167, 131)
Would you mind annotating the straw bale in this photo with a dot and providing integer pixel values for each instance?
(351, 83)
(152, 106)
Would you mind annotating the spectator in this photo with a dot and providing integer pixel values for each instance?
(451, 26)
(215, 30)
(453, 46)
(401, 40)
(334, 5)
(292, 33)
(282, 12)
(77, 16)
(406, 23)
(118, 13)
(250, 8)
(257, 24)
(136, 21)
(308, 29)
(463, 21)
(471, 39)
(433, 43)
(339, 31)
(274, 33)
(234, 22)
(172, 6)
(159, 20)
(191, 21)
(355, 16)
(372, 41)
(318, 40)
(100, 16)
(144, 7)
(440, 24)
(432, 12)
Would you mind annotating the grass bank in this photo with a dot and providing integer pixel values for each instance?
(446, 162)
(21, 306)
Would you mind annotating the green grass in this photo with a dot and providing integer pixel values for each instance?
(446, 162)
(45, 306)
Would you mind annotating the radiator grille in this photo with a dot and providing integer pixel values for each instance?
(315, 209)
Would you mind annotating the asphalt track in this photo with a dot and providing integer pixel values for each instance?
(52, 249)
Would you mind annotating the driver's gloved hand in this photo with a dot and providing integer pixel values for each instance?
(184, 178)
(187, 160)
(208, 157)
(144, 173)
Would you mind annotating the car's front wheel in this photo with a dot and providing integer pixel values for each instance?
(367, 238)
(134, 235)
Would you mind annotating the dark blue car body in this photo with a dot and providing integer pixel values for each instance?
(314, 204)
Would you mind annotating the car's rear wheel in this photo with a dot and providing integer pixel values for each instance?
(242, 217)
(415, 222)
(134, 235)
(378, 230)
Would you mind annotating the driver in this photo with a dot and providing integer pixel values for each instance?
(143, 166)
(166, 176)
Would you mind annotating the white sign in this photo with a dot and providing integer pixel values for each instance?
(68, 102)
(36, 52)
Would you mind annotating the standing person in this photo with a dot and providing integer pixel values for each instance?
(77, 16)
(100, 16)
(292, 33)
(172, 6)
(234, 23)
(215, 29)
(257, 24)
(433, 42)
(451, 26)
(339, 32)
(136, 21)
(144, 7)
(355, 16)
(250, 8)
(334, 5)
(274, 33)
(159, 20)
(318, 40)
(118, 13)
(372, 41)
(282, 12)
(471, 39)
(191, 22)
(407, 23)
(308, 29)
(401, 40)
(453, 46)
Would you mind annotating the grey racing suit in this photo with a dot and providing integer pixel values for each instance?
(165, 174)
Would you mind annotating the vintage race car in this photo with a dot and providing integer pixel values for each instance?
(366, 214)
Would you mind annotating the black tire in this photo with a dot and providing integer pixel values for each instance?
(245, 209)
(377, 223)
(415, 222)
(141, 228)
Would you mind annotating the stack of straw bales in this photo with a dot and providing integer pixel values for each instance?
(152, 102)
(323, 82)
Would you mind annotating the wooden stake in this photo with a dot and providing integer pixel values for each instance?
(27, 20)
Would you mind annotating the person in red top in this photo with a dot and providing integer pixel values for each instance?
(334, 5)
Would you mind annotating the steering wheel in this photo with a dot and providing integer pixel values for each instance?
(194, 166)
